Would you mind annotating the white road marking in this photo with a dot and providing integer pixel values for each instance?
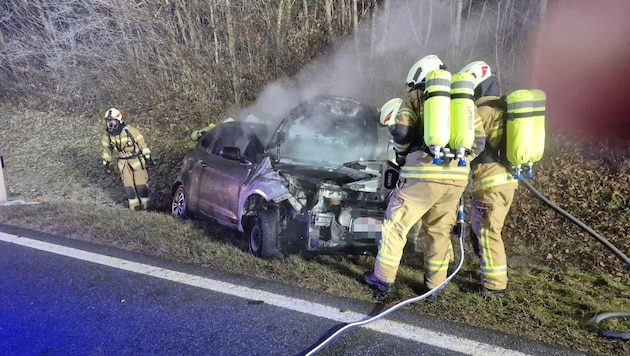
(401, 330)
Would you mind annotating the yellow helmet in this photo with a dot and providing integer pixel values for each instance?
(113, 120)
(421, 68)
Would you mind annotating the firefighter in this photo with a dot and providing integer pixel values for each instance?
(133, 156)
(388, 113)
(196, 134)
(493, 185)
(427, 193)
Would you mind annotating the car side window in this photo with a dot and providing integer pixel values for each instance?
(252, 150)
(206, 140)
(230, 135)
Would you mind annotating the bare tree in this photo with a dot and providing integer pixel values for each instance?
(236, 84)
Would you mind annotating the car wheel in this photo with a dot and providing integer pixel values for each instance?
(179, 208)
(263, 234)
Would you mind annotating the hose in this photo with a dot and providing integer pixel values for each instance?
(461, 230)
(594, 321)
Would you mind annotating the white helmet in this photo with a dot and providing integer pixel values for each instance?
(480, 69)
(389, 110)
(421, 68)
(113, 120)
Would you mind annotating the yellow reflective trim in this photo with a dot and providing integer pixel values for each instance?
(426, 172)
(135, 164)
(494, 271)
(437, 265)
(388, 259)
(408, 112)
(484, 243)
(493, 181)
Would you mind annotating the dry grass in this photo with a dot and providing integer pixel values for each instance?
(559, 276)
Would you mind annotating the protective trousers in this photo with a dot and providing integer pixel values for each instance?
(135, 178)
(434, 205)
(489, 210)
(415, 237)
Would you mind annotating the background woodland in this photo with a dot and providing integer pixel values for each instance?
(194, 61)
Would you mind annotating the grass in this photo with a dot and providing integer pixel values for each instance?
(560, 277)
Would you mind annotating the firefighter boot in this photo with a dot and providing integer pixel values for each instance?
(373, 282)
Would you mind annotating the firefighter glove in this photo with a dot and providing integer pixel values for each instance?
(106, 168)
(149, 163)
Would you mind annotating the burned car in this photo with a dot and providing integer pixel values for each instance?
(318, 183)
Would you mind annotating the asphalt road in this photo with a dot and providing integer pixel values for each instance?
(60, 296)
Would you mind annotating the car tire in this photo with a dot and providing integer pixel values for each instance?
(263, 234)
(179, 206)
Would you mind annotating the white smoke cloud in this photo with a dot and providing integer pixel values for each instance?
(370, 67)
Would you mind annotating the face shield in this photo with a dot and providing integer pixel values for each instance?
(112, 124)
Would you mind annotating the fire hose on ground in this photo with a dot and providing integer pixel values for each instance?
(461, 228)
(597, 319)
(461, 231)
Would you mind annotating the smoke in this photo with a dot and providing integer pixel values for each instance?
(370, 67)
(582, 60)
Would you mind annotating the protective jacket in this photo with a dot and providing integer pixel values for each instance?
(132, 153)
(487, 172)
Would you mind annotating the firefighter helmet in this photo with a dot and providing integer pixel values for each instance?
(480, 69)
(389, 110)
(419, 70)
(113, 120)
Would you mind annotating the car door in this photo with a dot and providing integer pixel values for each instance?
(196, 164)
(223, 177)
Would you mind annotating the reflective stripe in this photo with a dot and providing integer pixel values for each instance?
(525, 104)
(493, 181)
(462, 84)
(124, 155)
(484, 245)
(494, 271)
(438, 81)
(427, 172)
(136, 164)
(409, 112)
(437, 265)
(388, 259)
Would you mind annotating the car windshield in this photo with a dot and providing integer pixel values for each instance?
(328, 130)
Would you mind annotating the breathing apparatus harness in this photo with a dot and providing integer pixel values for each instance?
(460, 228)
(137, 153)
